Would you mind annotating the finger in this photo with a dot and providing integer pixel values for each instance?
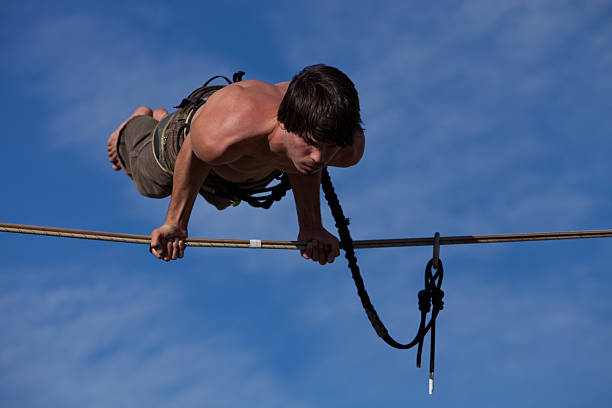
(308, 252)
(169, 249)
(154, 240)
(155, 251)
(182, 247)
(322, 253)
(315, 250)
(328, 254)
(176, 249)
(333, 253)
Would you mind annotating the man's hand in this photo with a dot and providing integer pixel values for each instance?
(168, 242)
(322, 246)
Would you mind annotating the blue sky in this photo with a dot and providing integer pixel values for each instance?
(481, 117)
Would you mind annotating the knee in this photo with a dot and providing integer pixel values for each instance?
(150, 189)
(159, 114)
(149, 180)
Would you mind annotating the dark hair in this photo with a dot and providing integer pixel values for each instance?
(322, 103)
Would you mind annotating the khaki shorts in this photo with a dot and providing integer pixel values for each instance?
(139, 161)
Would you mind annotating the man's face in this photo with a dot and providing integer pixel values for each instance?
(309, 156)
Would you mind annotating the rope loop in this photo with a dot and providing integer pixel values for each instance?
(430, 296)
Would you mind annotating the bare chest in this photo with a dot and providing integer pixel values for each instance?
(248, 169)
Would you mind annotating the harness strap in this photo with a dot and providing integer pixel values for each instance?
(261, 197)
(234, 192)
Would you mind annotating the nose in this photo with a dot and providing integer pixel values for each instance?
(316, 155)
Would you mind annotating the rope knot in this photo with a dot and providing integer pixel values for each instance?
(436, 298)
(424, 301)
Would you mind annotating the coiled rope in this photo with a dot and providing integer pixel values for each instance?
(430, 296)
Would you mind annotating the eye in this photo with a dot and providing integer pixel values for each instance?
(311, 142)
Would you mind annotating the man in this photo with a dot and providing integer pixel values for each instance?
(245, 134)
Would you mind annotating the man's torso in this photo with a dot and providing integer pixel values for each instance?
(241, 117)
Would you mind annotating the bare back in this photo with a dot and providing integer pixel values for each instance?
(231, 131)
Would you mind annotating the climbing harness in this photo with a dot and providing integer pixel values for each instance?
(258, 196)
(197, 98)
(262, 197)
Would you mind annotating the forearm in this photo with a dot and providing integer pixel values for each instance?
(189, 175)
(307, 200)
(321, 247)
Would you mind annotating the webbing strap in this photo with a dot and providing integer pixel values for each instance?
(197, 98)
(262, 197)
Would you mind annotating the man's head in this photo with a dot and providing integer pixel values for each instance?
(321, 105)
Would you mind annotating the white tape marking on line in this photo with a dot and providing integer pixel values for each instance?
(255, 243)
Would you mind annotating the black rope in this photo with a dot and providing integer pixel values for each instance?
(220, 76)
(275, 193)
(237, 77)
(429, 298)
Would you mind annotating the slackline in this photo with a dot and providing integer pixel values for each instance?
(266, 244)
(429, 299)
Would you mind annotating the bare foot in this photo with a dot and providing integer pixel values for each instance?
(159, 114)
(111, 148)
(111, 144)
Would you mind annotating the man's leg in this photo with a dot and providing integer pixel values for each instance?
(159, 114)
(111, 144)
(130, 148)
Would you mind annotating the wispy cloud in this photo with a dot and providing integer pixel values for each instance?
(475, 112)
(94, 85)
(119, 343)
(493, 331)
(481, 117)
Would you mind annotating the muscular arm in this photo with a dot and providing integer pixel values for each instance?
(307, 202)
(322, 246)
(214, 128)
(189, 175)
(168, 241)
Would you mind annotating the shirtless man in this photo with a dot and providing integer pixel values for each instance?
(245, 132)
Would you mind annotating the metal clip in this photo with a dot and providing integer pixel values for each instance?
(436, 250)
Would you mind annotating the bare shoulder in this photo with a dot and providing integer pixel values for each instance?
(282, 86)
(233, 117)
(248, 93)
